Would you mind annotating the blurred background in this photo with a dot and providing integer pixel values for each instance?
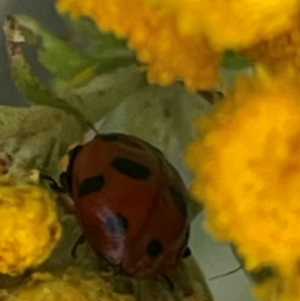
(214, 258)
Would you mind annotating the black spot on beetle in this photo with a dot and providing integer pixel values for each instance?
(90, 185)
(179, 201)
(117, 224)
(109, 137)
(131, 168)
(154, 248)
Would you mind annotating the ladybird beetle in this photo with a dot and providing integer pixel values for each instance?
(130, 202)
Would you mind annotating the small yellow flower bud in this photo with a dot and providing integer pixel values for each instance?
(73, 284)
(29, 226)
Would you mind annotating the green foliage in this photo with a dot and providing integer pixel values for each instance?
(235, 61)
(98, 41)
(64, 59)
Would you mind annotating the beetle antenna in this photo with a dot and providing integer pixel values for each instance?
(79, 241)
(169, 282)
(187, 253)
(53, 184)
(225, 274)
(91, 126)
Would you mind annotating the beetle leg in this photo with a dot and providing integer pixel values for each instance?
(187, 253)
(79, 241)
(169, 282)
(53, 184)
(227, 273)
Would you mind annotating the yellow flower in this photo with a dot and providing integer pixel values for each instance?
(167, 54)
(247, 167)
(281, 53)
(29, 226)
(73, 284)
(232, 23)
(279, 288)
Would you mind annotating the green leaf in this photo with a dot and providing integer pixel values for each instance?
(26, 81)
(59, 57)
(85, 28)
(63, 59)
(38, 135)
(235, 61)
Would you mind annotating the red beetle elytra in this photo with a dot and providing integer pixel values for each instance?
(131, 204)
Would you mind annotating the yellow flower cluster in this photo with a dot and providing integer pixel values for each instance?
(231, 23)
(183, 40)
(73, 284)
(247, 169)
(281, 53)
(29, 226)
(167, 54)
(279, 288)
